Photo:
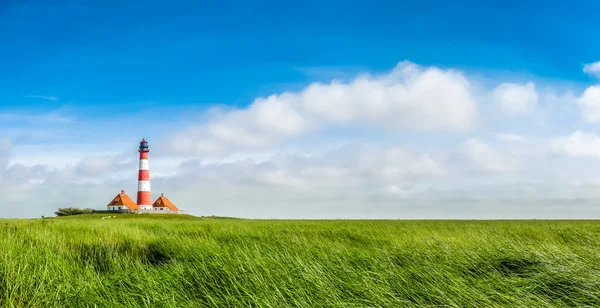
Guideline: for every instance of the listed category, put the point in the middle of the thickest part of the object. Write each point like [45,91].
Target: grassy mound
[181,261]
[130,216]
[141,216]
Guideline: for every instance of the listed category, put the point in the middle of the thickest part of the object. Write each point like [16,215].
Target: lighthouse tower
[144,198]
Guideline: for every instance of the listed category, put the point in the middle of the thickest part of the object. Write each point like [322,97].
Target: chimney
[122,192]
[162,195]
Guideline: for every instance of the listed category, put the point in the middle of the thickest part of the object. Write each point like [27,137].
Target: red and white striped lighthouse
[144,197]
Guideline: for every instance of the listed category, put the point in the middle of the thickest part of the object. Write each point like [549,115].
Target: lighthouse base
[145,207]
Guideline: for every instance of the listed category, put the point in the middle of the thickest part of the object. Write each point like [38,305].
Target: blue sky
[81,83]
[115,52]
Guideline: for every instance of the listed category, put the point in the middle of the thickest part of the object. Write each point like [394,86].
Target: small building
[164,204]
[122,202]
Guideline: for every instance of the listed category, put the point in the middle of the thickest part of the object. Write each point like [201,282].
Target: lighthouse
[144,198]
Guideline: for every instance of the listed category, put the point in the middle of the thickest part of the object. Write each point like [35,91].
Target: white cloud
[54,117]
[5,150]
[516,99]
[592,68]
[343,167]
[409,96]
[589,103]
[509,137]
[396,163]
[578,144]
[49,98]
[396,190]
[486,159]
[97,166]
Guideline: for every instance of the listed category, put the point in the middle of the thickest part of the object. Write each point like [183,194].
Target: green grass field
[182,261]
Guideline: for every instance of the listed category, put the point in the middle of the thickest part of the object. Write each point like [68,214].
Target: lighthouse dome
[144,146]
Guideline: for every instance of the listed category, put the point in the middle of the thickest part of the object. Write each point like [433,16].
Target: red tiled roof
[124,200]
[162,201]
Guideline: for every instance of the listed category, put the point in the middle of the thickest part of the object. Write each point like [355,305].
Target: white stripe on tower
[143,185]
[144,164]
[144,196]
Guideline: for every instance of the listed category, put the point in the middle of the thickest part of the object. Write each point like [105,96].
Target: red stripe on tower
[144,197]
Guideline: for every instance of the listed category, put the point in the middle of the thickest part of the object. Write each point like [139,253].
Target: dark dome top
[144,145]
